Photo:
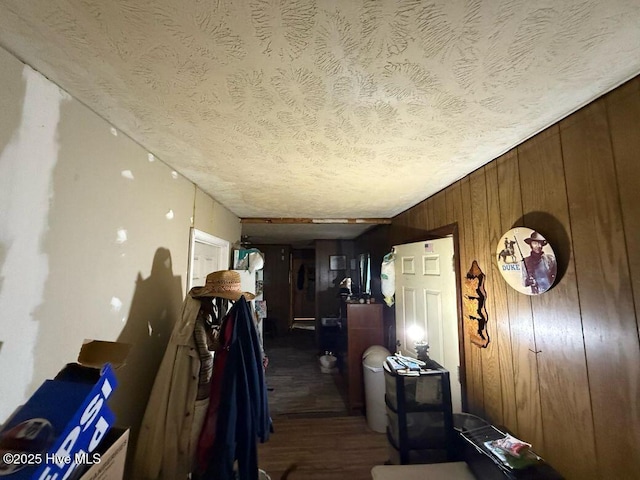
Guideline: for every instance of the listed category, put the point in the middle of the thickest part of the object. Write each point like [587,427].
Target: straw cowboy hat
[535,237]
[222,284]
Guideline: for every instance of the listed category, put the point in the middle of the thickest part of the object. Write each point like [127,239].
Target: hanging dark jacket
[243,411]
[300,281]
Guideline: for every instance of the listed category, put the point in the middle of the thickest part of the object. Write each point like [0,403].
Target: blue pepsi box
[62,423]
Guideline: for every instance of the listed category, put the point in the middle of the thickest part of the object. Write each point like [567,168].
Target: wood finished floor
[312,428]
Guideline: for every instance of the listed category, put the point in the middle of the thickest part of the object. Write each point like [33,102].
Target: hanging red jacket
[238,414]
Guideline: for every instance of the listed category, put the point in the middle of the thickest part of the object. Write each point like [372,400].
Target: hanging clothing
[164,448]
[203,336]
[238,413]
[208,432]
[301,275]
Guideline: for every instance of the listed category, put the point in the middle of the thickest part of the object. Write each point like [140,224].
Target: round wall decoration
[526,261]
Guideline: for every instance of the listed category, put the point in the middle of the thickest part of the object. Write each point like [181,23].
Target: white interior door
[426,297]
[206,254]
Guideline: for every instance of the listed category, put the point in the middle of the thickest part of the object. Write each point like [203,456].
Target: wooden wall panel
[473,367]
[439,209]
[454,215]
[423,215]
[556,313]
[623,107]
[498,288]
[327,281]
[407,231]
[574,350]
[415,217]
[418,221]
[481,248]
[605,291]
[523,345]
[399,228]
[277,291]
[377,243]
[453,203]
[427,213]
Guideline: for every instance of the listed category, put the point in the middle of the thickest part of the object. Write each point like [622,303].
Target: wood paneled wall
[277,283]
[376,242]
[328,281]
[562,370]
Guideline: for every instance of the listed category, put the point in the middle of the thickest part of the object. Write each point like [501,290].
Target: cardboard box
[111,456]
[65,420]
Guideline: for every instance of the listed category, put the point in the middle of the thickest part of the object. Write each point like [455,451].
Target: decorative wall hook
[475,311]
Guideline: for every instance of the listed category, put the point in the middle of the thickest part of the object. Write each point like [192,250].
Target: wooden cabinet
[364,329]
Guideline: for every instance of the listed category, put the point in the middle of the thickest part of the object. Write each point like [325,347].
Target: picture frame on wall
[526,261]
[337,262]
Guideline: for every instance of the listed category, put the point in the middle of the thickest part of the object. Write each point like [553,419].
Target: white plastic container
[374,387]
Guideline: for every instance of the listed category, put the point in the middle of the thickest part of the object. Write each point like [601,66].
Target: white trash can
[374,387]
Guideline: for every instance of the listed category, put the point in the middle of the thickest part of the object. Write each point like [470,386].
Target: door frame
[198,236]
[443,232]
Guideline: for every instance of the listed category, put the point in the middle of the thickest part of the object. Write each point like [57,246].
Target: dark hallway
[312,428]
[297,386]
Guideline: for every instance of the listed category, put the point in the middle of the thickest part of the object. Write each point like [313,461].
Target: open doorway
[303,288]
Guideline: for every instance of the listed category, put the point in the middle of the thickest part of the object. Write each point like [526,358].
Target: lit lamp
[417,334]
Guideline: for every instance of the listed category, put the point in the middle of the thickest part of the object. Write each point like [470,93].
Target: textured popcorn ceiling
[320,108]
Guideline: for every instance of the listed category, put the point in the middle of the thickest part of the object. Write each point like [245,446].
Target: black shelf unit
[420,417]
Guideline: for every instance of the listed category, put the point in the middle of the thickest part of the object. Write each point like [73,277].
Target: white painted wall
[94,237]
[26,170]
[215,219]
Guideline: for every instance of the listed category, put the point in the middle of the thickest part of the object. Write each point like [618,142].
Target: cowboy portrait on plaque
[526,261]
